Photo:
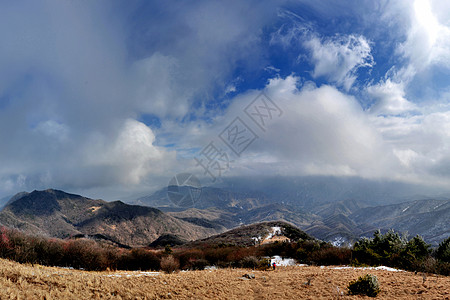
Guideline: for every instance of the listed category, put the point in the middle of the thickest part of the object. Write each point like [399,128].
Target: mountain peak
[60,214]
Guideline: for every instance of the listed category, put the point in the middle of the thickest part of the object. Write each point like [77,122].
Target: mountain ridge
[59,214]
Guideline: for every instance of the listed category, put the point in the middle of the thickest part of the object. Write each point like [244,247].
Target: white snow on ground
[339,241]
[282,261]
[257,239]
[405,209]
[388,269]
[275,230]
[134,274]
[367,268]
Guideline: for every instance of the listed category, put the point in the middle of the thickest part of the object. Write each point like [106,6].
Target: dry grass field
[36,282]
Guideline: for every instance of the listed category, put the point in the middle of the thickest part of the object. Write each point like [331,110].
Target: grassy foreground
[19,281]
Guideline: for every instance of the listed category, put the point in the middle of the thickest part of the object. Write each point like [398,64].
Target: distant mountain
[346,221]
[428,218]
[210,197]
[167,239]
[338,221]
[59,214]
[6,200]
[312,191]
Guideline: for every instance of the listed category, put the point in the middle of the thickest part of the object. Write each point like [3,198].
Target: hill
[58,214]
[254,234]
[428,218]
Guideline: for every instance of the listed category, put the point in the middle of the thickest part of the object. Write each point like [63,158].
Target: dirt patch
[94,208]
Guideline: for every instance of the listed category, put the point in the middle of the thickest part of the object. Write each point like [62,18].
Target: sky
[114,98]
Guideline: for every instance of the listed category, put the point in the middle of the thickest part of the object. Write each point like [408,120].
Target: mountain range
[154,219]
[338,221]
[58,214]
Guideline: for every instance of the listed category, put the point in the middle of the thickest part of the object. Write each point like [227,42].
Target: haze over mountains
[338,211]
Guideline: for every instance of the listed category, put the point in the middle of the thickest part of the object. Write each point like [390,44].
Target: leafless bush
[169,264]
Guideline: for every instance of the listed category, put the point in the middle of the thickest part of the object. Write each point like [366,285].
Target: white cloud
[339,58]
[131,156]
[73,75]
[321,132]
[53,130]
[155,88]
[427,36]
[326,132]
[390,98]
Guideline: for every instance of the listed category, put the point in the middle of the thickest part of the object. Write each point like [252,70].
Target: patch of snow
[275,230]
[339,241]
[341,268]
[134,274]
[279,261]
[366,268]
[388,269]
[257,240]
[405,209]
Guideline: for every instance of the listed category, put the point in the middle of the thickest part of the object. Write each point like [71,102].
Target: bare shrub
[188,259]
[250,262]
[331,256]
[169,264]
[139,259]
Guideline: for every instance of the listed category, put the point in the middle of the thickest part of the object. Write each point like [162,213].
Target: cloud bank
[111,99]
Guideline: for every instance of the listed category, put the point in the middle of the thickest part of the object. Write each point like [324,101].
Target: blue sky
[113,98]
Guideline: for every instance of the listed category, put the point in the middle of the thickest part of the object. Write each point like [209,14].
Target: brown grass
[27,282]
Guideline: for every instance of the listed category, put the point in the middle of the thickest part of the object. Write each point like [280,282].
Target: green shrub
[264,263]
[418,248]
[443,251]
[392,250]
[365,285]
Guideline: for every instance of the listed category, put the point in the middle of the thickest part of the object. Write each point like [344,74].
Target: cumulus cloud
[390,98]
[76,79]
[322,132]
[130,156]
[336,58]
[74,76]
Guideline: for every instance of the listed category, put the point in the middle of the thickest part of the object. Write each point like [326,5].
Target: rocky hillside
[254,234]
[59,214]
